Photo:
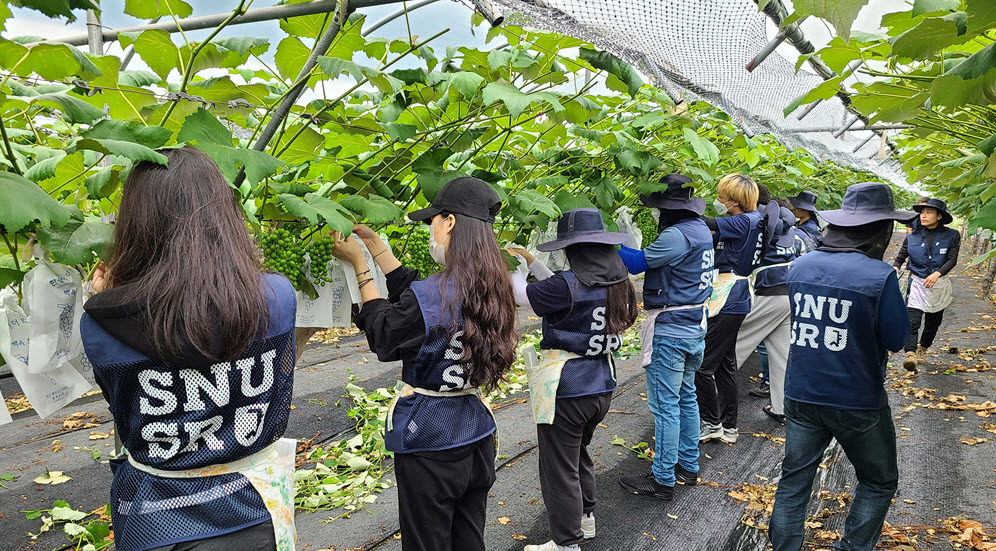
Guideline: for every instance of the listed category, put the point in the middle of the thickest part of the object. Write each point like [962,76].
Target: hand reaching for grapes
[348,249]
[365,233]
[521,252]
[99,279]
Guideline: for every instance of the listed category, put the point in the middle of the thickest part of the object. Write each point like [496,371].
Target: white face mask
[720,207]
[657,215]
[436,250]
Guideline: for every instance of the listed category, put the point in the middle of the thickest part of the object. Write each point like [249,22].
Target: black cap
[464,195]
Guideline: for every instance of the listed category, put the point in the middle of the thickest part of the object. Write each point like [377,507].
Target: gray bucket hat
[677,196]
[806,200]
[578,226]
[866,203]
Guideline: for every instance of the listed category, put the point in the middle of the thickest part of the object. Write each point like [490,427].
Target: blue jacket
[847,313]
[173,417]
[739,249]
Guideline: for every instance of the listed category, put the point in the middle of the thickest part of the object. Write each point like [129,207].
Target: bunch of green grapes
[320,252]
[282,252]
[645,221]
[417,253]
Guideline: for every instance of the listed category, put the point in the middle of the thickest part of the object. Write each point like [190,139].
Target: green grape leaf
[706,151]
[930,36]
[138,79]
[131,150]
[45,168]
[150,136]
[615,67]
[565,201]
[981,15]
[637,163]
[430,182]
[515,100]
[921,7]
[314,207]
[58,61]
[375,209]
[840,13]
[467,83]
[9,276]
[214,139]
[58,8]
[23,202]
[75,109]
[971,81]
[987,145]
[101,183]
[78,241]
[151,9]
[400,132]
[156,48]
[290,57]
[528,201]
[825,90]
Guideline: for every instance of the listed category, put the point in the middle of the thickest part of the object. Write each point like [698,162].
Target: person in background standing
[585,311]
[677,286]
[912,226]
[804,209]
[454,334]
[847,314]
[739,239]
[932,250]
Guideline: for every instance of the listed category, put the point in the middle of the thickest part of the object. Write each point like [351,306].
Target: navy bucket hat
[582,226]
[806,200]
[786,238]
[937,205]
[866,203]
[678,196]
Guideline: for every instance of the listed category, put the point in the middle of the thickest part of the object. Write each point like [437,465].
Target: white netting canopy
[698,50]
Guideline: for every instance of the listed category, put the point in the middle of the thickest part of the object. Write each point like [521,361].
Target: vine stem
[188,72]
[10,151]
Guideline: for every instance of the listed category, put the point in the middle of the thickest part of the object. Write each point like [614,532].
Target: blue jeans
[868,437]
[762,355]
[672,401]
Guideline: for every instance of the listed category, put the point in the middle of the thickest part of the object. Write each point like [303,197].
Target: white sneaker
[729,436]
[588,525]
[552,546]
[709,432]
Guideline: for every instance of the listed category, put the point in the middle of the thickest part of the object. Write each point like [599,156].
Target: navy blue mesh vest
[741,257]
[927,256]
[429,423]
[836,358]
[581,329]
[812,230]
[687,282]
[173,418]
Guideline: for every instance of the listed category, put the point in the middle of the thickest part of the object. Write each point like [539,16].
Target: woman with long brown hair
[454,333]
[193,346]
[585,310]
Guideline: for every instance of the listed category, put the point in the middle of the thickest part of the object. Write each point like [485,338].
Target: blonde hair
[739,188]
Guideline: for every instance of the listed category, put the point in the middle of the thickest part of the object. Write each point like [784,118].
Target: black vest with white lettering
[581,329]
[928,255]
[836,358]
[431,423]
[174,418]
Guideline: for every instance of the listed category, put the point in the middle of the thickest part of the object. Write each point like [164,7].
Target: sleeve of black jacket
[394,325]
[952,258]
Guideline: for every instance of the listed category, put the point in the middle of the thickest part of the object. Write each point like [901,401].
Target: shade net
[698,50]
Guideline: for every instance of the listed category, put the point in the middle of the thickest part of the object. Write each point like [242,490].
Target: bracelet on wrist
[380,253]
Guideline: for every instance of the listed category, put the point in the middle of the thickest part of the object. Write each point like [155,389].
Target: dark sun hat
[578,226]
[677,196]
[937,205]
[866,203]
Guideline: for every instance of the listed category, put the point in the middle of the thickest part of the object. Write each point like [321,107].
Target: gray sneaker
[709,432]
[588,526]
[729,436]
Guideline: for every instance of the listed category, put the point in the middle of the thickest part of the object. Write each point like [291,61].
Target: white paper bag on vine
[333,306]
[47,391]
[555,260]
[54,297]
[628,226]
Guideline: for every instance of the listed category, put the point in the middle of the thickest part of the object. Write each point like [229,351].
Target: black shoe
[771,413]
[647,485]
[686,477]
[763,390]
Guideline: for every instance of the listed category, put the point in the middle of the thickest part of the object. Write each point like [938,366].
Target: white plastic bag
[54,295]
[379,279]
[628,226]
[47,391]
[555,260]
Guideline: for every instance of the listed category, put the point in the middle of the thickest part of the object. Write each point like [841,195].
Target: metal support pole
[835,128]
[388,18]
[282,110]
[809,109]
[489,12]
[95,38]
[250,16]
[865,142]
[840,132]
[791,30]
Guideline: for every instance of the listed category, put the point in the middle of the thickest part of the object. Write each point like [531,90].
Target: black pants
[567,473]
[716,380]
[255,538]
[929,328]
[443,503]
